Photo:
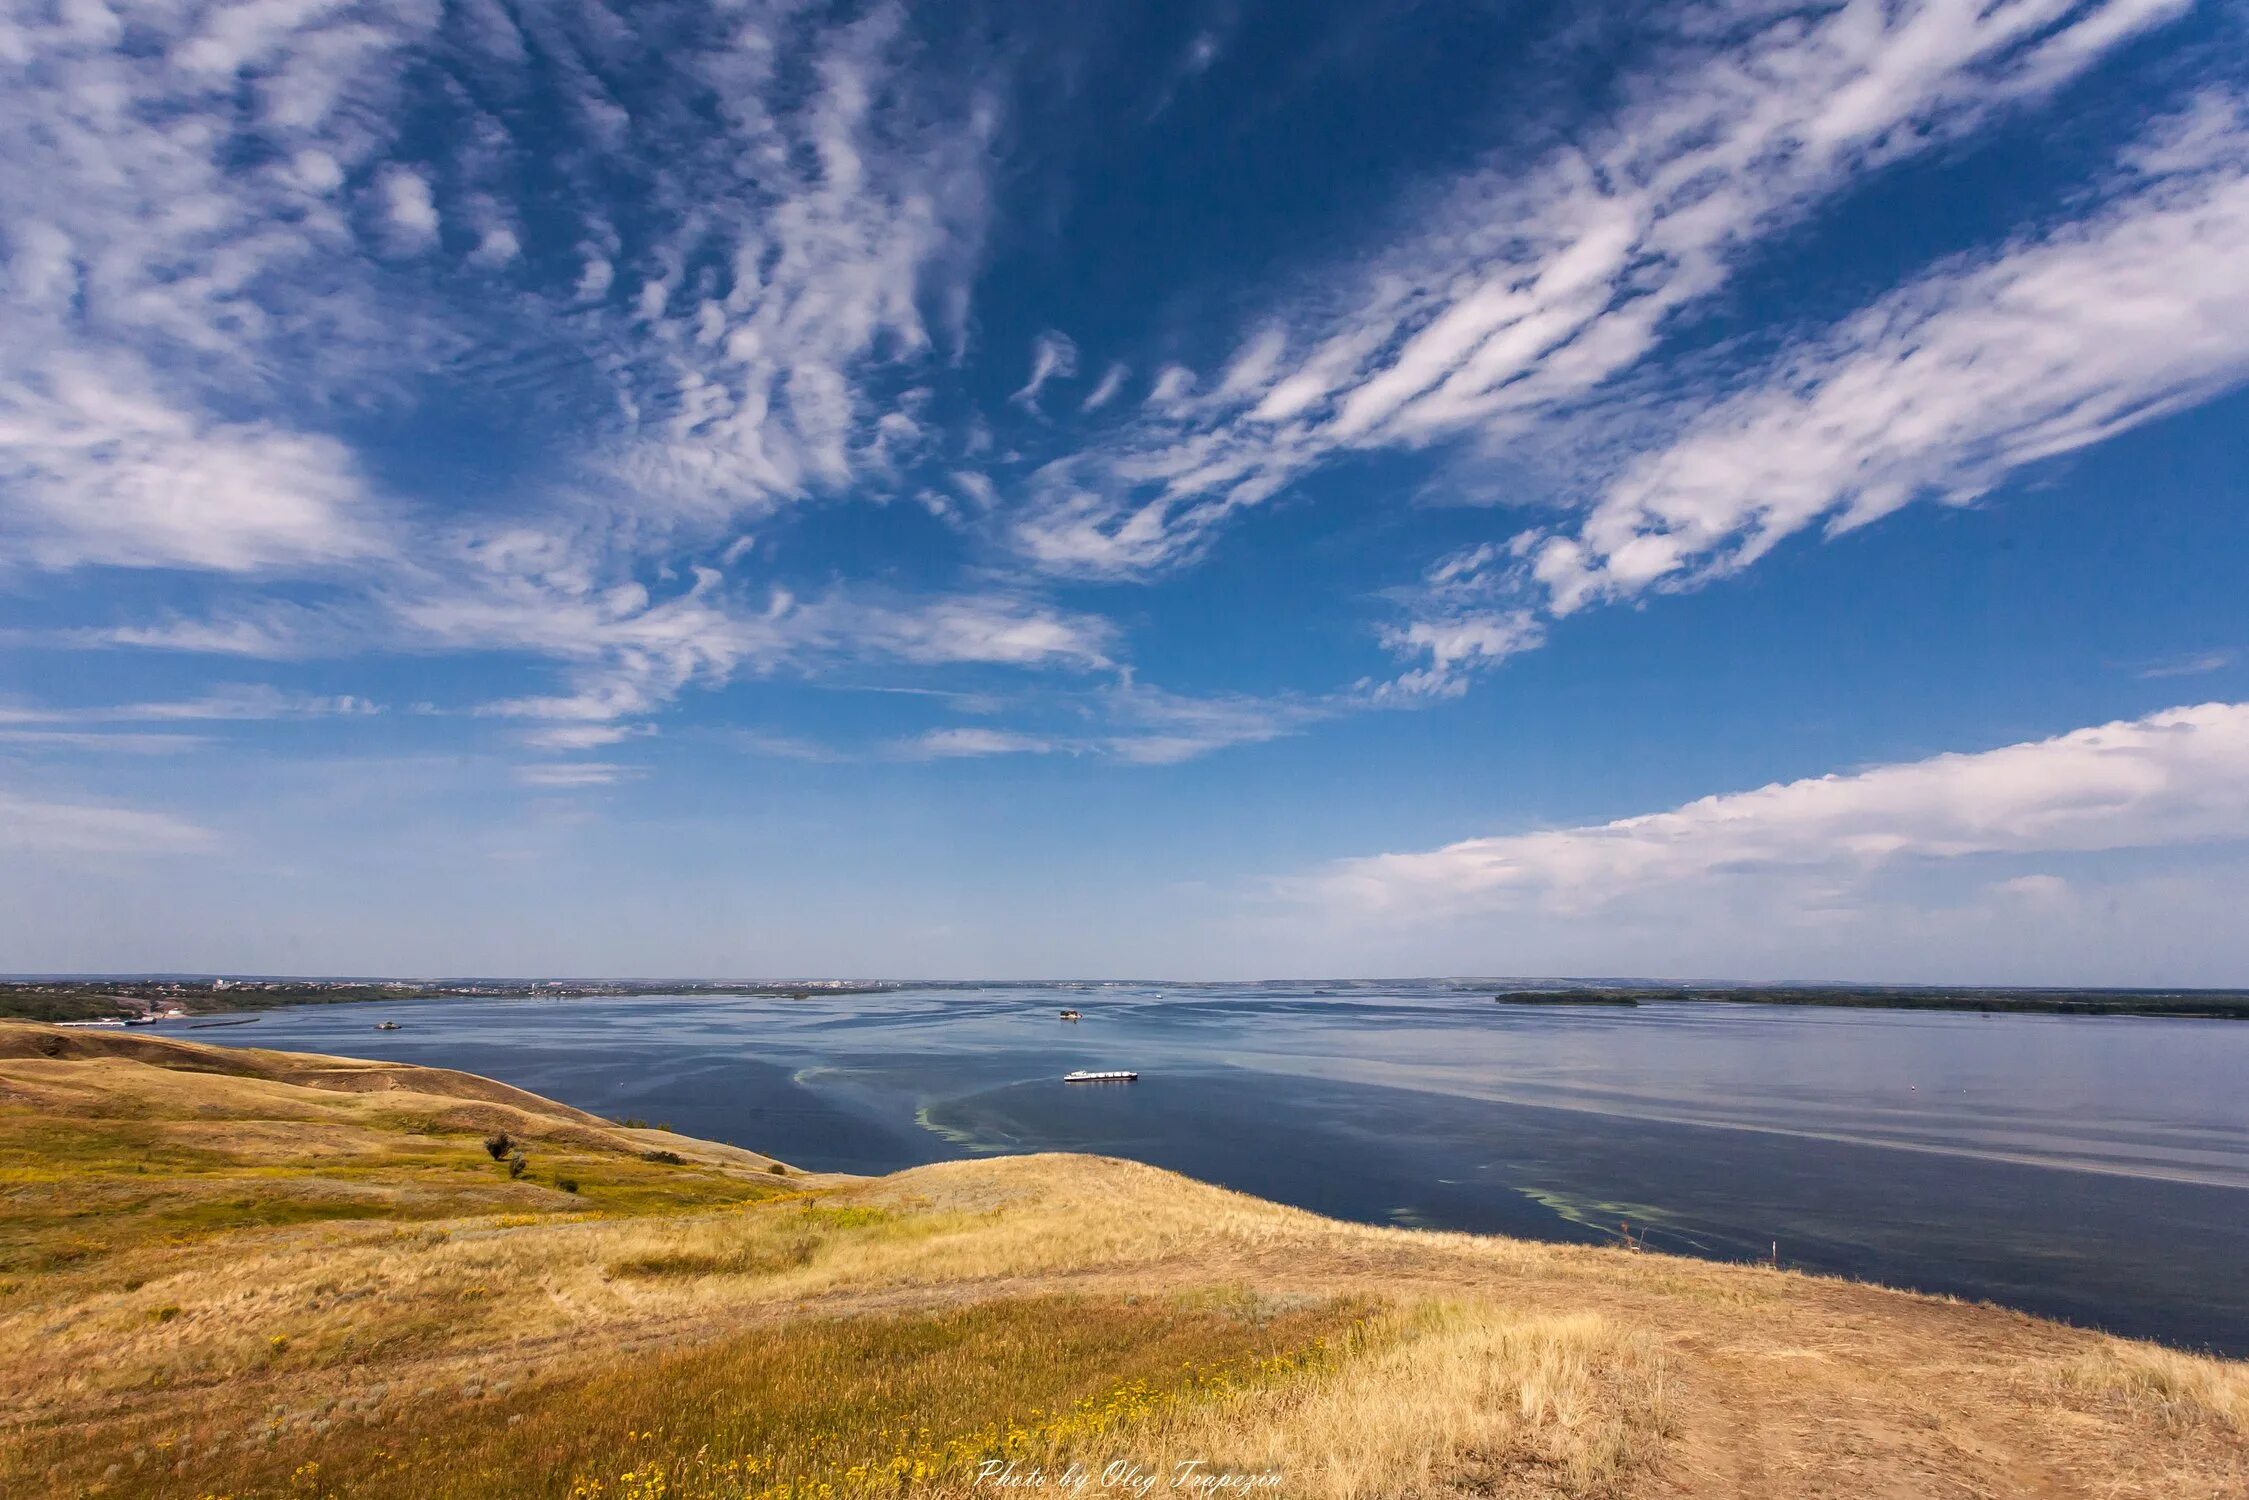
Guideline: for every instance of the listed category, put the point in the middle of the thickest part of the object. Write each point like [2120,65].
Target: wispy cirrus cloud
[114,742]
[628,650]
[584,736]
[35,826]
[1949,384]
[179,228]
[250,701]
[1535,287]
[574,775]
[1140,725]
[1939,391]
[1107,388]
[228,213]
[816,245]
[1053,357]
[101,467]
[2180,777]
[2192,665]
[1467,618]
[1153,727]
[268,630]
[228,231]
[971,743]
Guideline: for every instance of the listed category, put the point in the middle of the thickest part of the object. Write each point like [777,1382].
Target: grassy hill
[240,1273]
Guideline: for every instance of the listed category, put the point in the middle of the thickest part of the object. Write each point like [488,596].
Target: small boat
[386,1026]
[1111,1075]
[1070,1015]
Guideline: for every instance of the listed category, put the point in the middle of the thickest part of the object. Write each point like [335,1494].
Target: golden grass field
[238,1273]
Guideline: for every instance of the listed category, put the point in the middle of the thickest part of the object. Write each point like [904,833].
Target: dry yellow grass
[248,1274]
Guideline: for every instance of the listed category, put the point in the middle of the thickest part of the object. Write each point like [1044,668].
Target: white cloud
[574,774]
[1170,391]
[629,651]
[950,744]
[1466,617]
[2179,777]
[1158,728]
[254,703]
[270,630]
[1947,385]
[1139,725]
[2041,889]
[28,825]
[187,172]
[244,702]
[97,466]
[2192,665]
[114,742]
[837,214]
[496,246]
[410,207]
[174,241]
[1053,357]
[595,277]
[222,219]
[1522,292]
[975,629]
[1457,645]
[1106,388]
[583,736]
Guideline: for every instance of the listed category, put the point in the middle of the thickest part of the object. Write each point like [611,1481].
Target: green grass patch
[780,1237]
[845,1407]
[77,1191]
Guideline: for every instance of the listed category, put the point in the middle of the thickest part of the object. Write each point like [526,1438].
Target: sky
[1232,489]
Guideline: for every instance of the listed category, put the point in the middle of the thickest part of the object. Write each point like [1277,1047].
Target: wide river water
[2094,1169]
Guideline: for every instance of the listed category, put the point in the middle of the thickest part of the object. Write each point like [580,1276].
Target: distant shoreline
[67,999]
[2221,1005]
[58,1000]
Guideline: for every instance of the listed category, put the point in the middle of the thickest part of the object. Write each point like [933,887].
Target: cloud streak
[1535,288]
[1948,385]
[749,227]
[30,825]
[2180,777]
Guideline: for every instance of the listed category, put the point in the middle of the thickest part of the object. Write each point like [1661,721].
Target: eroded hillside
[236,1273]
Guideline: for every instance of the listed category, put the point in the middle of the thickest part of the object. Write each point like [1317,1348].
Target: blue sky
[1712,491]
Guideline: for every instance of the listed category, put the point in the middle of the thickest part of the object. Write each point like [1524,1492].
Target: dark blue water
[2089,1168]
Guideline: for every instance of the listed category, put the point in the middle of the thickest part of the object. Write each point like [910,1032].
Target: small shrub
[567,1184]
[499,1145]
[664,1158]
[518,1164]
[776,1169]
[165,1314]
